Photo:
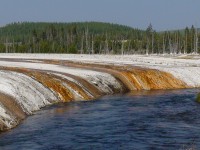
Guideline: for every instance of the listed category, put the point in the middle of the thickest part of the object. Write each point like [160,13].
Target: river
[143,120]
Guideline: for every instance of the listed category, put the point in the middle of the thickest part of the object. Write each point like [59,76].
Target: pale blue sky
[163,14]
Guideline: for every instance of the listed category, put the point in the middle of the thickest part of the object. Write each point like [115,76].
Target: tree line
[95,38]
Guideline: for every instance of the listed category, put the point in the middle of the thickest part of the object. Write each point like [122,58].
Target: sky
[162,14]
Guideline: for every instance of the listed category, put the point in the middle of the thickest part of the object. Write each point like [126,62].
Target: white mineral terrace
[31,93]
[184,67]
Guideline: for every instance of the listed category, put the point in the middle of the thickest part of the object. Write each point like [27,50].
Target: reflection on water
[139,120]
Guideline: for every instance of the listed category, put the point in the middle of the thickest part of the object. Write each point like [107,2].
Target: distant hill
[25,29]
[92,37]
[64,37]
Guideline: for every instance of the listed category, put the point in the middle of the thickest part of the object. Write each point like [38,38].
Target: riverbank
[37,80]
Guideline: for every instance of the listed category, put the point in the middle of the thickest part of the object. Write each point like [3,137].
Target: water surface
[141,120]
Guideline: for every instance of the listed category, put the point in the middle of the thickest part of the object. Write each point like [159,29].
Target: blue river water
[146,120]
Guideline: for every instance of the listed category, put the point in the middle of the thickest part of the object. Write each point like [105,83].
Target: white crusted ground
[31,95]
[98,79]
[186,68]
[6,118]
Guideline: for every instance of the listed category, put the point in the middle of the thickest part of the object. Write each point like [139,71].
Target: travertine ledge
[30,82]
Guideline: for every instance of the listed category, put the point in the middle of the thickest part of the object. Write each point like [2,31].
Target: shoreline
[36,83]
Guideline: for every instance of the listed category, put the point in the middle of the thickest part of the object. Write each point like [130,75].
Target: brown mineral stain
[13,107]
[85,84]
[130,77]
[135,78]
[56,83]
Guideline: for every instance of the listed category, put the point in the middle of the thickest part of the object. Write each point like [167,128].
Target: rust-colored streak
[135,78]
[118,74]
[131,77]
[134,83]
[11,105]
[73,86]
[47,80]
[54,84]
[155,79]
[90,88]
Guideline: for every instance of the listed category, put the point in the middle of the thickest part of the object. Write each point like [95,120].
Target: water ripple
[141,120]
